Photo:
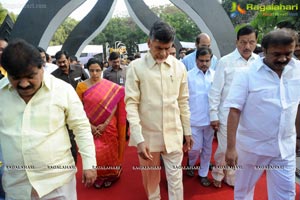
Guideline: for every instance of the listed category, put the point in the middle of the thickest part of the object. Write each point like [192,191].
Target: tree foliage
[186,29]
[4,12]
[263,21]
[124,29]
[63,31]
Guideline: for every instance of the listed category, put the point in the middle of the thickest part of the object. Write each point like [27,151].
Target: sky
[16,6]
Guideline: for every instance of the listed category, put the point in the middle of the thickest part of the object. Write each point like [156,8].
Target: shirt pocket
[293,90]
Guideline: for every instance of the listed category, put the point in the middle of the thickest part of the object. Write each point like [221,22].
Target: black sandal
[204,181]
[107,184]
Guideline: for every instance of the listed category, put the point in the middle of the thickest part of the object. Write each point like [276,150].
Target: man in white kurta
[241,57]
[199,82]
[263,103]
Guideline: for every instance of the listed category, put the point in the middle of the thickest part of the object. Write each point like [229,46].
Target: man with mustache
[199,81]
[35,108]
[156,97]
[263,102]
[241,57]
[68,72]
[202,40]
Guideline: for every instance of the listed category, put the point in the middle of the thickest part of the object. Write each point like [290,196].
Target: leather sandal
[204,181]
[190,172]
[217,184]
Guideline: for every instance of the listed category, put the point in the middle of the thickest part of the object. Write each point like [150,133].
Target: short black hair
[285,24]
[41,50]
[278,37]
[246,30]
[60,53]
[131,58]
[162,32]
[4,38]
[94,61]
[202,51]
[113,55]
[20,56]
[73,58]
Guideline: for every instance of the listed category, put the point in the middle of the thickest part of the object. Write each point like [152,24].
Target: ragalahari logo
[236,9]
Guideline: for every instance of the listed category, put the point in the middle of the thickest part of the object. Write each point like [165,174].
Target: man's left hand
[88,177]
[188,143]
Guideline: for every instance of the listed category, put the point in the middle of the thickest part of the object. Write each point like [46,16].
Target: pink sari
[99,102]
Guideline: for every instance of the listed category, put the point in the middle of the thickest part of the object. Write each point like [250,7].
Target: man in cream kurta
[35,108]
[158,111]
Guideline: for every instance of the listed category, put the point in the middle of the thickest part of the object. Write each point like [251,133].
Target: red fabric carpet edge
[130,185]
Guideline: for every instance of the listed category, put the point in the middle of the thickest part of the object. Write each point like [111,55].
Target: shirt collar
[4,82]
[151,62]
[110,68]
[46,80]
[237,55]
[259,63]
[209,71]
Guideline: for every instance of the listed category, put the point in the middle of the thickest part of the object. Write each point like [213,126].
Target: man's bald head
[279,37]
[202,40]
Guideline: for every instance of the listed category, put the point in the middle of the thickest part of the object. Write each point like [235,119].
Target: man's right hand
[215,125]
[143,151]
[231,157]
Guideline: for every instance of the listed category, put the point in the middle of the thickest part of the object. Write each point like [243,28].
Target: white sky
[16,6]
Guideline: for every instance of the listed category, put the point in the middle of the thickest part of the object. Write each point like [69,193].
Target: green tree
[186,29]
[124,29]
[121,29]
[3,13]
[263,21]
[63,31]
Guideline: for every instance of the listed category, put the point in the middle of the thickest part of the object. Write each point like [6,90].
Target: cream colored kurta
[156,97]
[35,141]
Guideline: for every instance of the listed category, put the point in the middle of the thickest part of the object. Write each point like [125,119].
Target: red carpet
[129,187]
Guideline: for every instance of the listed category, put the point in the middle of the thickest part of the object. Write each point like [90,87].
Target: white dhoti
[202,148]
[280,176]
[220,171]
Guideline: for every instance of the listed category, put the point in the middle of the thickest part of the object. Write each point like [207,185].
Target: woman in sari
[104,105]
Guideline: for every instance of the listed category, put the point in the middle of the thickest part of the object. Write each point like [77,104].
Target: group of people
[249,101]
[172,106]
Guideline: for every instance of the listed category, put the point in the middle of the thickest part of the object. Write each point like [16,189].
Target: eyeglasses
[95,70]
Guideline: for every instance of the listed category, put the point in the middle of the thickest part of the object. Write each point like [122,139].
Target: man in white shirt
[202,40]
[263,102]
[241,57]
[48,67]
[35,108]
[199,81]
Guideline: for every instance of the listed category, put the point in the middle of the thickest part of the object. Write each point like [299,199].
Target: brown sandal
[217,184]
